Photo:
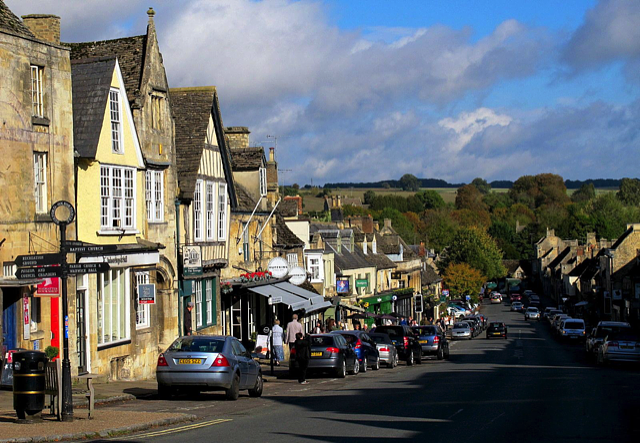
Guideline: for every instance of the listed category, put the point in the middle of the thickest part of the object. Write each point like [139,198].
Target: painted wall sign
[124,260]
[278,267]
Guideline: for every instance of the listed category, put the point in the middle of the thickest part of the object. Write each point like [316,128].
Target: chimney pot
[272,155]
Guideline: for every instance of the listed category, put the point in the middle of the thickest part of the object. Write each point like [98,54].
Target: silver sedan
[208,363]
[461,330]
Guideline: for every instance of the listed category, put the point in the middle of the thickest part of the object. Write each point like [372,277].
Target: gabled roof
[10,22]
[429,276]
[350,260]
[288,208]
[285,237]
[622,238]
[130,52]
[192,108]
[247,159]
[380,261]
[511,265]
[580,268]
[561,256]
[245,202]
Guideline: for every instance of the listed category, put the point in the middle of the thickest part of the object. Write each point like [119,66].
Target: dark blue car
[365,348]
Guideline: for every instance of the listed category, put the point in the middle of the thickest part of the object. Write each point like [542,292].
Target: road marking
[494,419]
[459,411]
[175,430]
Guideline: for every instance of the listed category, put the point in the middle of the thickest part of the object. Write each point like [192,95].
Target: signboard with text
[147,294]
[50,287]
[192,260]
[362,283]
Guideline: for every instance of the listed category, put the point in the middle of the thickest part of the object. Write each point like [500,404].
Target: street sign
[362,283]
[38,260]
[87,268]
[396,275]
[33,273]
[91,248]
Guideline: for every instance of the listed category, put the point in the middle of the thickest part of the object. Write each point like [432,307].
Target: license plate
[316,354]
[424,342]
[626,347]
[189,361]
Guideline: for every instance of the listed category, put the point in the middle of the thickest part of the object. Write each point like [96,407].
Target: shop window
[197,289]
[113,306]
[142,310]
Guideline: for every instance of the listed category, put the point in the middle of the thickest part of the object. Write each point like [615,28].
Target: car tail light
[162,361]
[406,341]
[220,362]
[358,344]
[333,350]
[436,340]
[613,343]
[384,349]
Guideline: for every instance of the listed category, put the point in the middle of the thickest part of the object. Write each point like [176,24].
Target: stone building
[36,147]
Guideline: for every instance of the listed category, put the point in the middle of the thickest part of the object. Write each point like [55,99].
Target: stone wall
[238,136]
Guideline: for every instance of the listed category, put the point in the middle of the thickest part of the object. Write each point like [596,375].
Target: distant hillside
[497,184]
[598,183]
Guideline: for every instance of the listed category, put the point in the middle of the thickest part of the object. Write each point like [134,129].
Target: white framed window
[116,126]
[292,259]
[113,306]
[142,310]
[197,212]
[222,211]
[263,182]
[37,102]
[314,268]
[209,301]
[197,287]
[210,202]
[117,198]
[40,181]
[154,196]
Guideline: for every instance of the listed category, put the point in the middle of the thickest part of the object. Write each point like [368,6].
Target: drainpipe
[176,202]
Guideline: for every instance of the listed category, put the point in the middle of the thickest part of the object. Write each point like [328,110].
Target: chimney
[238,136]
[367,224]
[591,238]
[387,223]
[45,26]
[272,155]
[272,173]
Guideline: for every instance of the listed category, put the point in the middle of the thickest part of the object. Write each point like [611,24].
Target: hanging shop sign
[191,260]
[362,283]
[396,275]
[147,294]
[278,267]
[50,287]
[297,275]
[342,286]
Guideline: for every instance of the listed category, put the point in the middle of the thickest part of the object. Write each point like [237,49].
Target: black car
[365,348]
[332,353]
[405,341]
[497,329]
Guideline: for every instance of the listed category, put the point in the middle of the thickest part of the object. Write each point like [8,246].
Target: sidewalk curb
[104,401]
[106,432]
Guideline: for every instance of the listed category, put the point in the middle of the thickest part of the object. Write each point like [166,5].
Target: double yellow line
[203,424]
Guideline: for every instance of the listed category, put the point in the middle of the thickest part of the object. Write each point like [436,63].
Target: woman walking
[278,350]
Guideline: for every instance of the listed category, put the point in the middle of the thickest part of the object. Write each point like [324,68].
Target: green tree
[542,189]
[469,218]
[400,224]
[495,200]
[586,192]
[368,197]
[476,248]
[409,182]
[481,185]
[440,228]
[629,192]
[610,217]
[468,197]
[430,199]
[461,279]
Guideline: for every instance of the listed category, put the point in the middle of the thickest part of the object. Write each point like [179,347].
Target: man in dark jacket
[187,319]
[303,355]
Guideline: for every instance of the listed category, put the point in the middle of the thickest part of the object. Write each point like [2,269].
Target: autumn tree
[468,197]
[461,279]
[476,248]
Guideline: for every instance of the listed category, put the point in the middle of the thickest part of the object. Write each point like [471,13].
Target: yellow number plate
[424,341]
[189,361]
[316,354]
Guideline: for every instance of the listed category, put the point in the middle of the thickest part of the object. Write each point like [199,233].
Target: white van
[572,328]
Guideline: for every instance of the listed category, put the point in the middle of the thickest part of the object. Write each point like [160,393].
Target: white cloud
[468,124]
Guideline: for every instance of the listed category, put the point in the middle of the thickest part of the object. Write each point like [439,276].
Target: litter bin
[28,382]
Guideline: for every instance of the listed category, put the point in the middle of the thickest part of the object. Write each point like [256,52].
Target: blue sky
[369,90]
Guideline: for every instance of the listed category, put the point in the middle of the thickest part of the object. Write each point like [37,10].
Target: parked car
[432,341]
[572,328]
[603,329]
[461,330]
[405,341]
[555,323]
[515,297]
[474,324]
[496,329]
[547,310]
[517,306]
[208,363]
[623,346]
[532,313]
[365,348]
[551,314]
[386,349]
[332,353]
[456,311]
[496,299]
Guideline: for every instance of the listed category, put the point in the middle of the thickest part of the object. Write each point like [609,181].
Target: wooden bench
[91,399]
[53,387]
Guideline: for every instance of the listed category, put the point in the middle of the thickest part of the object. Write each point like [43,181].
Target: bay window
[117,198]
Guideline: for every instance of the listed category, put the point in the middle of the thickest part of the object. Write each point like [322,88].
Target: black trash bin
[28,382]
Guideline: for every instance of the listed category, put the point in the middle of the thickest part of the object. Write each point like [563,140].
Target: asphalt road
[527,388]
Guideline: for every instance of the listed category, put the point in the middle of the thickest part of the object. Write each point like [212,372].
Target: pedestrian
[187,319]
[364,327]
[410,321]
[414,323]
[318,328]
[357,327]
[278,351]
[330,324]
[430,320]
[403,321]
[293,327]
[303,355]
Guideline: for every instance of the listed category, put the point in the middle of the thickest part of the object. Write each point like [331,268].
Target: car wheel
[410,359]
[257,389]
[440,354]
[234,391]
[164,392]
[365,364]
[419,358]
[342,370]
[356,367]
[377,365]
[446,355]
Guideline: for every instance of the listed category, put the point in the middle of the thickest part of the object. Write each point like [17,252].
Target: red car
[516,297]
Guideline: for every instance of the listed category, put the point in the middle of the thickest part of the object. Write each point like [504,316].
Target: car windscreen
[573,325]
[321,341]
[390,331]
[461,326]
[612,330]
[197,344]
[425,330]
[496,325]
[379,338]
[350,338]
[532,309]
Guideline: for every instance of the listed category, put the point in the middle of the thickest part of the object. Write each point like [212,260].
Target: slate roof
[288,208]
[389,244]
[511,265]
[350,260]
[130,52]
[285,237]
[579,269]
[380,261]
[191,108]
[622,238]
[556,261]
[10,22]
[91,81]
[247,159]
[245,202]
[430,276]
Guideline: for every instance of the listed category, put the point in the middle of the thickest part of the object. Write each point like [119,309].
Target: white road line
[494,419]
[459,411]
